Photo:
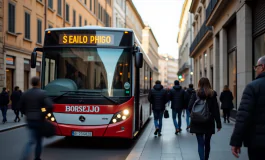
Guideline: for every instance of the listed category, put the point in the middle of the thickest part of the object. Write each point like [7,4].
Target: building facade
[184,41]
[228,42]
[133,20]
[119,8]
[150,47]
[168,68]
[24,23]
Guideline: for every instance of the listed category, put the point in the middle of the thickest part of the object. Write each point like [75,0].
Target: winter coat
[158,97]
[208,127]
[177,97]
[31,103]
[4,99]
[226,99]
[189,93]
[250,119]
[15,97]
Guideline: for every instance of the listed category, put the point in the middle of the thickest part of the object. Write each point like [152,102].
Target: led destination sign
[86,39]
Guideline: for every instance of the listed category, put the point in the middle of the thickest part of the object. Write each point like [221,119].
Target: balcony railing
[210,8]
[183,67]
[204,29]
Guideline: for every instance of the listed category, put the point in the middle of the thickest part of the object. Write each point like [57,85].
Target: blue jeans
[204,147]
[4,110]
[176,112]
[158,117]
[187,117]
[34,137]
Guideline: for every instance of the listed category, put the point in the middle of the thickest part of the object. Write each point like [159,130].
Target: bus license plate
[83,134]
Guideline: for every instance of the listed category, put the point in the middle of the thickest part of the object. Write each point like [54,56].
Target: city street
[145,147]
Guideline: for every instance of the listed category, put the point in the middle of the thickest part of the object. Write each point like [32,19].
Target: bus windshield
[89,70]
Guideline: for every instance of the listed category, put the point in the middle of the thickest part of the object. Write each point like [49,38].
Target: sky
[163,17]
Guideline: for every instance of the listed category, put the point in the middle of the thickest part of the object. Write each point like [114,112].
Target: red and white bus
[98,79]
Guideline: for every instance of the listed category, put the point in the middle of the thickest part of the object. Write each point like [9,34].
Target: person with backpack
[177,97]
[4,100]
[204,110]
[158,98]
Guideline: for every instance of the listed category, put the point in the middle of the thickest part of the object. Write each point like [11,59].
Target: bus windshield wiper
[84,93]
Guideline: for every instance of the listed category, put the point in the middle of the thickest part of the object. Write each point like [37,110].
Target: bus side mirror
[33,60]
[139,60]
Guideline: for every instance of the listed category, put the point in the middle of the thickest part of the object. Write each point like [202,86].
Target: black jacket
[177,97]
[15,97]
[31,103]
[227,100]
[208,127]
[189,93]
[158,97]
[4,99]
[250,119]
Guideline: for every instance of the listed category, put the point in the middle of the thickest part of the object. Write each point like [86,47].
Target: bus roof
[90,28]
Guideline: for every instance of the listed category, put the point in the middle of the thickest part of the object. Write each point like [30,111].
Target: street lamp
[191,73]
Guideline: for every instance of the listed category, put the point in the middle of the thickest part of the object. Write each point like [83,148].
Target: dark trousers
[204,145]
[158,117]
[226,113]
[255,153]
[16,111]
[4,110]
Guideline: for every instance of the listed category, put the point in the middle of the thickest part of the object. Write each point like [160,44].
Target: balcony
[204,33]
[215,9]
[184,67]
[210,8]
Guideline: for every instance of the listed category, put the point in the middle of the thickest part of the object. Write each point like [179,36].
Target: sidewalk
[183,146]
[10,124]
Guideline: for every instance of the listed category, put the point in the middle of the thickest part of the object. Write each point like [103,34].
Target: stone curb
[12,127]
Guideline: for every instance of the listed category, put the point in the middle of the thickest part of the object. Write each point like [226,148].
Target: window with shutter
[39,31]
[27,25]
[11,17]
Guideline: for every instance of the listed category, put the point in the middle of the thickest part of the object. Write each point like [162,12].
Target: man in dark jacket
[250,123]
[158,98]
[177,98]
[15,97]
[31,104]
[4,100]
[189,93]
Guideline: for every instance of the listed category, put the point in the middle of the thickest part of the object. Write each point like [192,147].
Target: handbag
[166,114]
[48,129]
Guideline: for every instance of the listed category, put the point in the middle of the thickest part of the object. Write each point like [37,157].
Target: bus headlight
[120,116]
[50,117]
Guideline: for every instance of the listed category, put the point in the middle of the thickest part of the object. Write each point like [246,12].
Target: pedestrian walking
[250,119]
[4,100]
[204,125]
[226,99]
[15,97]
[189,92]
[158,98]
[31,104]
[177,97]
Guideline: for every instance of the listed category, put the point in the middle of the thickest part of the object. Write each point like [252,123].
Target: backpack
[200,111]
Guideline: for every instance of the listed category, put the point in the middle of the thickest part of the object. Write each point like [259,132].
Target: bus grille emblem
[82,118]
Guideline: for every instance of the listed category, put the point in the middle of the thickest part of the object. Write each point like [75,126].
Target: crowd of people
[203,113]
